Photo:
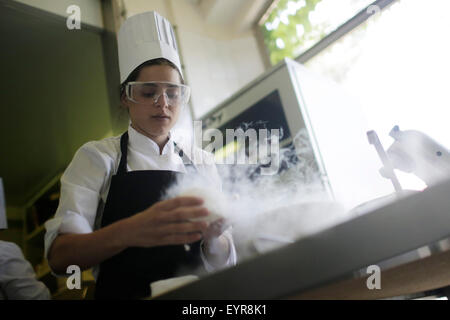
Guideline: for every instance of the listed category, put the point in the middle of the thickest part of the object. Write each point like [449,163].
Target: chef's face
[155,119]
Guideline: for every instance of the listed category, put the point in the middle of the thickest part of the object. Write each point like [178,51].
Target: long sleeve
[86,181]
[232,258]
[81,186]
[17,277]
[210,172]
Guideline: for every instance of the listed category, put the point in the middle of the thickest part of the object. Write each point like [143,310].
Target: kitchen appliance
[293,99]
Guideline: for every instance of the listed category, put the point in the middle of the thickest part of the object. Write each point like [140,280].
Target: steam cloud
[268,211]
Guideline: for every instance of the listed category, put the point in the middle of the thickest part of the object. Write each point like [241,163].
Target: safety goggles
[149,93]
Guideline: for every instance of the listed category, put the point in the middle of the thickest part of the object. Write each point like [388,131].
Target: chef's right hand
[167,223]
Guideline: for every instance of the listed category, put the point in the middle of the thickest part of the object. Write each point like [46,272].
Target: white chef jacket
[86,181]
[17,277]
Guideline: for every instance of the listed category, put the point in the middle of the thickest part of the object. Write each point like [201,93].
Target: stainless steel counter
[333,255]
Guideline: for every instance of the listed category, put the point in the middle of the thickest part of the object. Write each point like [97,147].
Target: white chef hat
[3,221]
[144,37]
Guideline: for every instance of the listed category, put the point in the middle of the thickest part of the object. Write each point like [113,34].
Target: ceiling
[240,15]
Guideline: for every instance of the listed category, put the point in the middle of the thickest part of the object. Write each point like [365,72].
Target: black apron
[128,274]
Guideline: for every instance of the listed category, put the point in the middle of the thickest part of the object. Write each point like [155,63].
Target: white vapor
[268,211]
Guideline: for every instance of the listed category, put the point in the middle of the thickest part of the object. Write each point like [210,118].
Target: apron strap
[124,150]
[186,161]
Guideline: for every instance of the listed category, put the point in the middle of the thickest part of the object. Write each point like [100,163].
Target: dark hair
[154,62]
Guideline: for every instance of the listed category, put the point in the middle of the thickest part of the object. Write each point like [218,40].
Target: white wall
[91,11]
[216,68]
[137,6]
[218,59]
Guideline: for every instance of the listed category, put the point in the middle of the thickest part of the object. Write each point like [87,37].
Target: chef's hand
[214,230]
[167,223]
[216,246]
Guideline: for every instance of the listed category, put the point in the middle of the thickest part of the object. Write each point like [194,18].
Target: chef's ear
[124,102]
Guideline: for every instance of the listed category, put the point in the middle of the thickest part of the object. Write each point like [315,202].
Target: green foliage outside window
[288,30]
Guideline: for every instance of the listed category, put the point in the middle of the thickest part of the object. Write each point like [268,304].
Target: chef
[111,216]
[17,278]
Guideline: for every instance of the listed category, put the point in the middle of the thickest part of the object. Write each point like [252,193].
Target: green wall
[55,95]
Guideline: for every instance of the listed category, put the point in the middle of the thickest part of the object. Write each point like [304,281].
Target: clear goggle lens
[149,93]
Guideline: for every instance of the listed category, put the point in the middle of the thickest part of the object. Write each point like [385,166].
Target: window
[294,26]
[395,63]
[397,66]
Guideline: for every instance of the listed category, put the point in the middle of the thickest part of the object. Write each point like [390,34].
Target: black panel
[267,113]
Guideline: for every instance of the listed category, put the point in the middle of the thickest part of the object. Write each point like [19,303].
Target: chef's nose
[162,101]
